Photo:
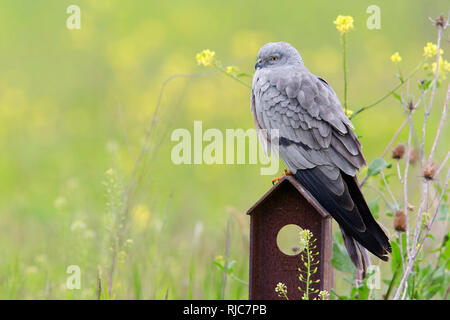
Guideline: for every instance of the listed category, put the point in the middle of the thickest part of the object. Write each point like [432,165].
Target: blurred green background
[75,103]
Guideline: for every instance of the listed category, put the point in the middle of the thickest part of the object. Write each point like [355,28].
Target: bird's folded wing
[312,126]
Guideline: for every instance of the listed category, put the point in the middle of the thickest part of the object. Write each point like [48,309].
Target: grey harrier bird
[317,144]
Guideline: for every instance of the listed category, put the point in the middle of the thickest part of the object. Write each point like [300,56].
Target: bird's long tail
[359,229]
[357,253]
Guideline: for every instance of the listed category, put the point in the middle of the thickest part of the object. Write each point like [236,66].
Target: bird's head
[276,54]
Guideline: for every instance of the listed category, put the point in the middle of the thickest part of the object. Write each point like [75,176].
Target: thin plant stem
[399,172]
[420,214]
[442,164]
[221,69]
[308,270]
[405,180]
[391,283]
[441,125]
[389,190]
[387,147]
[381,99]
[344,61]
[433,91]
[394,138]
[400,239]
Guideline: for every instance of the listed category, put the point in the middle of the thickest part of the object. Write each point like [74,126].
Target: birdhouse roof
[302,191]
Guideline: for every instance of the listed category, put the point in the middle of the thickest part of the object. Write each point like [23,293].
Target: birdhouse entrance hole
[288,240]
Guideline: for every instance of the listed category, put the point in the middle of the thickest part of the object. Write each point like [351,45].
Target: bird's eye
[274,58]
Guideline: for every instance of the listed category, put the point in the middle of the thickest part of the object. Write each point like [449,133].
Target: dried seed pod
[440,21]
[400,221]
[430,171]
[412,156]
[399,151]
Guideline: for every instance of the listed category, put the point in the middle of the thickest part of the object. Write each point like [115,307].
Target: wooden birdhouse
[286,204]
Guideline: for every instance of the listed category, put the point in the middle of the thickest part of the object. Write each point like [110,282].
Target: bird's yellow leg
[286,173]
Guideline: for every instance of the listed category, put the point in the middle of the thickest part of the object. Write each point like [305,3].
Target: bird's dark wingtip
[389,249]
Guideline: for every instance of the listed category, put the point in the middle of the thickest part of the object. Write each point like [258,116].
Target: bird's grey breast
[273,90]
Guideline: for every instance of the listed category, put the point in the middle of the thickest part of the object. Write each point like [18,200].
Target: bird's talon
[275,180]
[286,173]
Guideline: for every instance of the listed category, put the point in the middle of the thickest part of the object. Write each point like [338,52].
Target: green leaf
[442,213]
[397,96]
[374,207]
[341,260]
[387,176]
[376,166]
[363,291]
[431,291]
[137,281]
[230,266]
[430,236]
[446,253]
[221,266]
[426,84]
[396,261]
[240,75]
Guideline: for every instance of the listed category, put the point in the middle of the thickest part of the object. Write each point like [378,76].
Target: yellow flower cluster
[343,23]
[444,67]
[206,57]
[430,50]
[396,57]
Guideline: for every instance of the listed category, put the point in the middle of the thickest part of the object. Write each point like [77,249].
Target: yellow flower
[444,67]
[343,23]
[324,295]
[141,217]
[220,260]
[396,57]
[232,70]
[348,112]
[430,50]
[305,236]
[205,57]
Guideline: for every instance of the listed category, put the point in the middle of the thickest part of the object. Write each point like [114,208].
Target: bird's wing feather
[306,110]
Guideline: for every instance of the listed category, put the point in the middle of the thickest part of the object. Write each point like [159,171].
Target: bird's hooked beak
[258,64]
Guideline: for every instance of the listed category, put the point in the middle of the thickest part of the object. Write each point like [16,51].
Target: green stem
[233,277]
[400,73]
[398,86]
[221,69]
[344,54]
[391,284]
[309,271]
